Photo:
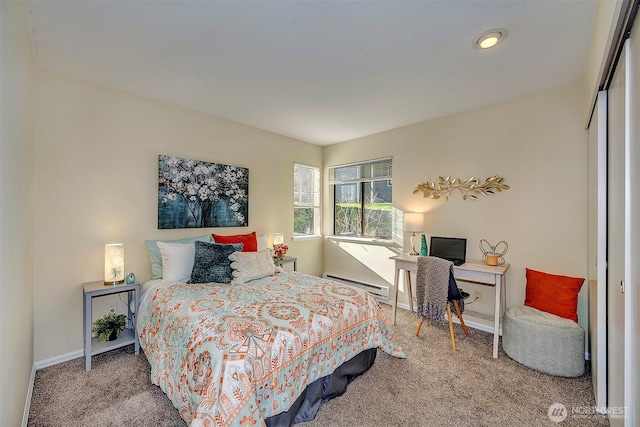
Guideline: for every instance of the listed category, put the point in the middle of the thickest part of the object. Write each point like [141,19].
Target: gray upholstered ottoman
[543,341]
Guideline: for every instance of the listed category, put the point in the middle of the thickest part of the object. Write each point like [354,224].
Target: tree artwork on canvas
[198,194]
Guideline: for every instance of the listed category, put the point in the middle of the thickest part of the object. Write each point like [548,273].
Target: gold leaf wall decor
[470,189]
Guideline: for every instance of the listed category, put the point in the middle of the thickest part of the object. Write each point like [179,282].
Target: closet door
[616,240]
[632,243]
[597,249]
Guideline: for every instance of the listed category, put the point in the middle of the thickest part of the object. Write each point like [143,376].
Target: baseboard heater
[380,292]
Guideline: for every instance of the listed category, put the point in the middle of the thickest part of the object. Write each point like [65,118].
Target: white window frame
[360,178]
[300,204]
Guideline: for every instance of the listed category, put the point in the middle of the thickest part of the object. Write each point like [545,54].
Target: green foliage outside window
[377,220]
[303,221]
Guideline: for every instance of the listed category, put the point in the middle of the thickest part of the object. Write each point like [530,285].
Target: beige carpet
[433,387]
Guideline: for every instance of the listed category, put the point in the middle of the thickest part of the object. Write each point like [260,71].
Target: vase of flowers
[280,250]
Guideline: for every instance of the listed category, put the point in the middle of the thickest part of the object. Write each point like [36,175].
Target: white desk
[471,271]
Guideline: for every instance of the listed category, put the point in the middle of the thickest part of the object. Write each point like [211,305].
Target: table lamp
[413,223]
[113,264]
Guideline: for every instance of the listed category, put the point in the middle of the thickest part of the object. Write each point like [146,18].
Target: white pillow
[262,241]
[177,260]
[252,265]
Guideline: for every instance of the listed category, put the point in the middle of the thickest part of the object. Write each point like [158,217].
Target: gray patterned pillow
[212,263]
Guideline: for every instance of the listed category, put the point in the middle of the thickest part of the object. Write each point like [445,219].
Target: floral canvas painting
[197,194]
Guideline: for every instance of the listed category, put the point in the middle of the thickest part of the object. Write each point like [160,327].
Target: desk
[471,271]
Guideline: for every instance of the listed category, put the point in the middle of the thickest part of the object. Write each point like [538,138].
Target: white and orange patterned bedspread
[237,354]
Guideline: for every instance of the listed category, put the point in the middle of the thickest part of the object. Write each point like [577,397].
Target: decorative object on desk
[109,327]
[413,223]
[113,263]
[491,255]
[198,194]
[424,249]
[470,189]
[131,278]
[280,250]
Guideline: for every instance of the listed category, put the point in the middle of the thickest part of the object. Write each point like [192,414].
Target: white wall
[16,207]
[538,144]
[604,25]
[96,167]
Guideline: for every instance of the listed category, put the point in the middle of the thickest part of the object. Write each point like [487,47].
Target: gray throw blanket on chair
[432,285]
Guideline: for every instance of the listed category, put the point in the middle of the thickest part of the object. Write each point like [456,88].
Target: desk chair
[432,271]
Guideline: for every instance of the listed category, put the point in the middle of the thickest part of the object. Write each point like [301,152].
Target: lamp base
[117,282]
[413,245]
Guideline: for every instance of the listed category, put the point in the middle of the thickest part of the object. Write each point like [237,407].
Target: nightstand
[279,262]
[129,336]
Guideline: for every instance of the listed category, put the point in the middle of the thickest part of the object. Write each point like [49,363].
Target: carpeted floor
[434,386]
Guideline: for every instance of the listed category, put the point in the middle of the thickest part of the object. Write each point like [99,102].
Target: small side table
[129,336]
[279,262]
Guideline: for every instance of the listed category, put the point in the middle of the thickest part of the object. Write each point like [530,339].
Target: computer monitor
[450,248]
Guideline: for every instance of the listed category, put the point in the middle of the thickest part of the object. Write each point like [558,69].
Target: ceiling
[318,71]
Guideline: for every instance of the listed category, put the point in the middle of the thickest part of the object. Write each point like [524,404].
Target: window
[306,200]
[362,199]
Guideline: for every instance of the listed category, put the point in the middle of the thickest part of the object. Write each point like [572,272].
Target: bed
[264,352]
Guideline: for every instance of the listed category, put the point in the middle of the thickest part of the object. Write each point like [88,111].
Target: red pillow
[250,240]
[554,294]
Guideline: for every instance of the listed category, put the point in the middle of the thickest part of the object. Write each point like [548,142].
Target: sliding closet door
[597,248]
[616,240]
[632,277]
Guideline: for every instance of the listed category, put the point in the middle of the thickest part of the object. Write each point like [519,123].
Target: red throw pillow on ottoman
[554,294]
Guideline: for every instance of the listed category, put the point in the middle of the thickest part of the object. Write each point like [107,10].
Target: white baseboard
[27,403]
[59,359]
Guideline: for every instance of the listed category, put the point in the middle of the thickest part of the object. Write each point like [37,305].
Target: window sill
[364,240]
[302,238]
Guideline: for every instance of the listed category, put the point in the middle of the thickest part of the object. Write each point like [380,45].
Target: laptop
[450,248]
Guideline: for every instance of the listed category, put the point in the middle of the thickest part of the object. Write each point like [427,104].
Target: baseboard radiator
[380,292]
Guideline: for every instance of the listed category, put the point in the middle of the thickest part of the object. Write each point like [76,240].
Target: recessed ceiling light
[490,38]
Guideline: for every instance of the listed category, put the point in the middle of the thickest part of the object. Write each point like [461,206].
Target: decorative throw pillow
[262,242]
[177,260]
[252,265]
[249,241]
[554,294]
[212,263]
[154,252]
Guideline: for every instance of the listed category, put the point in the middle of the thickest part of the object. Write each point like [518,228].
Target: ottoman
[543,341]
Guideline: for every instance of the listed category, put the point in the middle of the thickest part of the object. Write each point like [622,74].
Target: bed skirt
[306,406]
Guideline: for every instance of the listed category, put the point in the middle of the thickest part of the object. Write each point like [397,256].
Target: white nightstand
[129,336]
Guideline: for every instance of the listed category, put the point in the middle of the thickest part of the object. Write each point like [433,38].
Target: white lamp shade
[413,222]
[113,263]
[278,238]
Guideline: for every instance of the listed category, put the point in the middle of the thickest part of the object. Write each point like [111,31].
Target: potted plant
[110,326]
